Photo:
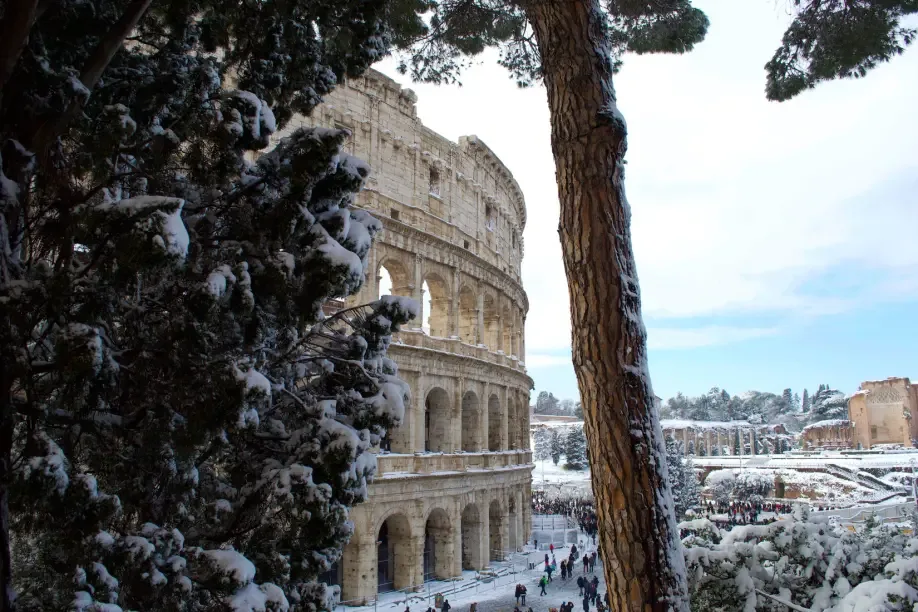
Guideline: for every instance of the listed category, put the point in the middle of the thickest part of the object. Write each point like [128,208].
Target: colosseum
[453,484]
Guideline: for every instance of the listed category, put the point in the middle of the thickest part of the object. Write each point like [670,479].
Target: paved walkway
[499,598]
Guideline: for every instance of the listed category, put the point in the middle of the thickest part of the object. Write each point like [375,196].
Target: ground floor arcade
[450,524]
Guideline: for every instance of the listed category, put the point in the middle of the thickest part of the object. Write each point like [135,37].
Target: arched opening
[436,421]
[471,538]
[438,538]
[513,425]
[497,527]
[494,422]
[513,536]
[491,322]
[468,316]
[436,306]
[393,554]
[392,279]
[471,422]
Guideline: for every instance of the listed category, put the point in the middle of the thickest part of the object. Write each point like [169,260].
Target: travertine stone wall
[884,412]
[456,477]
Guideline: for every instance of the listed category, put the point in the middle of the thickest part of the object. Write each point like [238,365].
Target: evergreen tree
[575,449]
[556,446]
[184,426]
[828,404]
[683,483]
[578,410]
[691,491]
[542,447]
[805,403]
[675,472]
[787,401]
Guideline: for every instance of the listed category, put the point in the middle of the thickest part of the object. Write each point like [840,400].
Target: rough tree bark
[644,567]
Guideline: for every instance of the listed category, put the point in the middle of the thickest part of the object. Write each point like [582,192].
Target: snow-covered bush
[752,485]
[813,565]
[720,484]
[186,424]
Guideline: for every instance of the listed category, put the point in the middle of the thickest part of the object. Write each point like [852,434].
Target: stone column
[456,424]
[480,321]
[419,406]
[359,570]
[371,287]
[418,292]
[685,442]
[742,441]
[522,354]
[457,542]
[454,306]
[707,442]
[484,538]
[527,512]
[414,575]
[485,417]
[752,442]
[504,529]
[500,329]
[505,442]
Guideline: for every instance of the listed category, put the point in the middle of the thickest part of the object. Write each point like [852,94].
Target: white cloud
[740,206]
[710,335]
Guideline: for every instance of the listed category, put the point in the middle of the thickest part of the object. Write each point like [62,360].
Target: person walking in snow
[551,548]
[542,583]
[517,593]
[586,604]
[523,594]
[593,561]
[586,563]
[446,605]
[580,584]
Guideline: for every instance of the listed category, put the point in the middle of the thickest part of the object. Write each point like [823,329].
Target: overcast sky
[776,244]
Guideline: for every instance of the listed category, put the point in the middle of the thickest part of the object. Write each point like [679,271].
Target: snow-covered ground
[549,476]
[495,594]
[813,486]
[900,459]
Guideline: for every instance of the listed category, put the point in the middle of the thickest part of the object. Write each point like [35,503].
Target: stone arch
[438,545]
[497,528]
[436,420]
[491,322]
[398,274]
[393,553]
[471,422]
[471,537]
[494,423]
[436,316]
[468,316]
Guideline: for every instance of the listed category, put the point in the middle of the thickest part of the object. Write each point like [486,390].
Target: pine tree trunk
[644,567]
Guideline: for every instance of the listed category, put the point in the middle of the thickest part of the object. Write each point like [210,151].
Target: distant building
[884,412]
[832,434]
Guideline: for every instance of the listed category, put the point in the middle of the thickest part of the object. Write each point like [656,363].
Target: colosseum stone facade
[453,485]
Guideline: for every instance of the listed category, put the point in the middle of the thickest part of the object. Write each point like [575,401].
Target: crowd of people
[545,503]
[745,513]
[579,509]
